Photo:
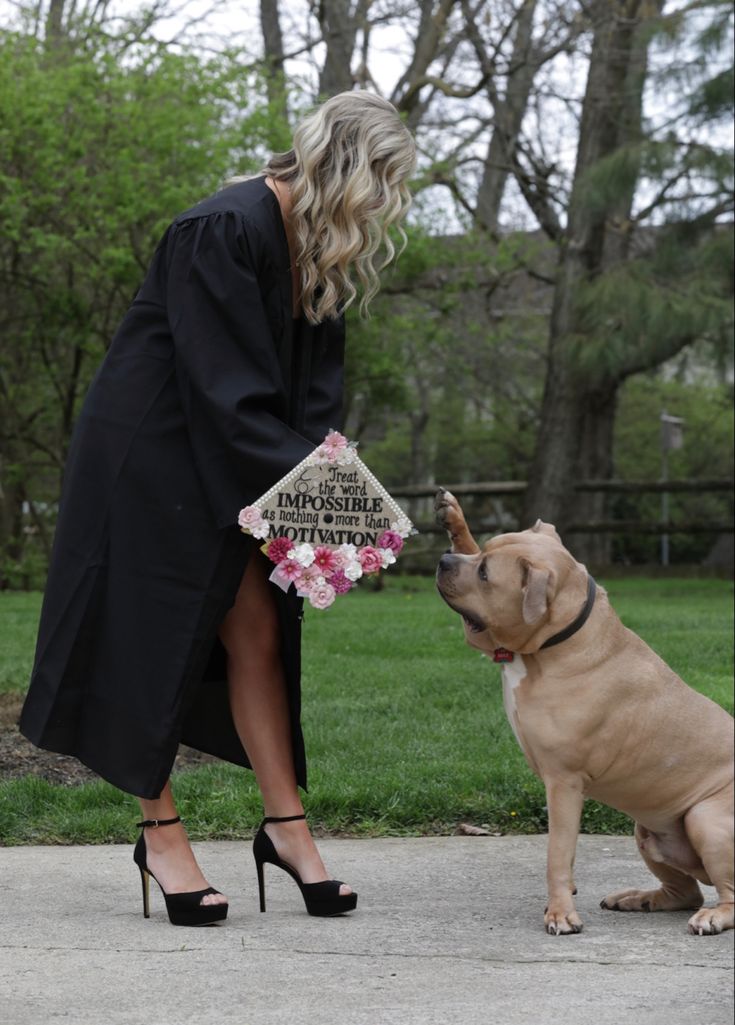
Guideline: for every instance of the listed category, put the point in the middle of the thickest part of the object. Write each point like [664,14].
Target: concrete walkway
[448,930]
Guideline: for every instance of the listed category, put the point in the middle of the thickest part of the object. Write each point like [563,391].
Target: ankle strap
[157,822]
[284,818]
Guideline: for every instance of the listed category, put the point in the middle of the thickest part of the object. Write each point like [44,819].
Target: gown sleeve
[325,396]
[226,362]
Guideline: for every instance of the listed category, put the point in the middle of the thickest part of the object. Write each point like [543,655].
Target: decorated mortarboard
[327,523]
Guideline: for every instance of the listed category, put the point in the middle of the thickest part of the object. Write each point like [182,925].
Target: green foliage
[659,265]
[643,311]
[19,616]
[602,186]
[707,453]
[714,98]
[444,380]
[97,155]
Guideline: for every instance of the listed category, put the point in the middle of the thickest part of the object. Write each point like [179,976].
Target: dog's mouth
[473,624]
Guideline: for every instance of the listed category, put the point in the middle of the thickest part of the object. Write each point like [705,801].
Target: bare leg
[169,856]
[260,712]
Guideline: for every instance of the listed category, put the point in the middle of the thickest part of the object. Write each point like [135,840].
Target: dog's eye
[482,572]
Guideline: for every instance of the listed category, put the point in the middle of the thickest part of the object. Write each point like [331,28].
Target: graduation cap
[328,522]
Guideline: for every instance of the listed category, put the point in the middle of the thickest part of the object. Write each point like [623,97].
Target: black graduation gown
[204,400]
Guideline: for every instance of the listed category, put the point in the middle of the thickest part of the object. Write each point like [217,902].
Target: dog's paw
[450,516]
[630,900]
[562,921]
[710,921]
[649,900]
[449,513]
[446,508]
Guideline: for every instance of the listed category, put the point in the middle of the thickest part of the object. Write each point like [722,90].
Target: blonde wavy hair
[347,173]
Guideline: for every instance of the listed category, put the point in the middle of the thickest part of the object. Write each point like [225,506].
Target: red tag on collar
[503,655]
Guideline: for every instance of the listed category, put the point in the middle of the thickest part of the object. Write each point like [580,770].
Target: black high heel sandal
[321,899]
[183,908]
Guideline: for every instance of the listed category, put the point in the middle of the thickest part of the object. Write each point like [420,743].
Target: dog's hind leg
[679,891]
[450,516]
[709,826]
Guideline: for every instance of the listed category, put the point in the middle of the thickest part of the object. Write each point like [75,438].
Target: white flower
[303,554]
[260,530]
[349,552]
[353,570]
[402,526]
[346,456]
[387,556]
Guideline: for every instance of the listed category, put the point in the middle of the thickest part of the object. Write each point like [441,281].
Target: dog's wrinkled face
[504,593]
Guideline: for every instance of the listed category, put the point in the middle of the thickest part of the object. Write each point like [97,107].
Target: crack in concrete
[476,959]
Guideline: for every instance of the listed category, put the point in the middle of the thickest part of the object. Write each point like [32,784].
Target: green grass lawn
[404,723]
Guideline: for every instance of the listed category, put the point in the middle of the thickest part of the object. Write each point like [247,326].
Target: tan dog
[598,714]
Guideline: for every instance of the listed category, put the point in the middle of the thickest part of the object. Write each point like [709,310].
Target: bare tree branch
[432,25]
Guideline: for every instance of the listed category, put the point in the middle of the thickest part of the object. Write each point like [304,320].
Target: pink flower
[290,569]
[370,559]
[249,517]
[322,595]
[310,575]
[325,560]
[390,539]
[334,444]
[340,583]
[340,560]
[279,548]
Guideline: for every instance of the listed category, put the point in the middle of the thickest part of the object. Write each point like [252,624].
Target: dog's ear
[540,527]
[538,584]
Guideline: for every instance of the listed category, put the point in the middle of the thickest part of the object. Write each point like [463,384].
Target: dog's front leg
[450,516]
[565,812]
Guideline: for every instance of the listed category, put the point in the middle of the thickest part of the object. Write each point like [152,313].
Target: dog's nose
[446,562]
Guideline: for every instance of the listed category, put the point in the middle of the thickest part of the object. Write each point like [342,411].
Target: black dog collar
[503,655]
[579,622]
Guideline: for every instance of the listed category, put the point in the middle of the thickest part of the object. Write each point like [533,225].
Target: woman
[159,624]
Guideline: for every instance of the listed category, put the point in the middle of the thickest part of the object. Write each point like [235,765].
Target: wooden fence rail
[517,487]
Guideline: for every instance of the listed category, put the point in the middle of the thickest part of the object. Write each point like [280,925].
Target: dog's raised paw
[447,509]
[441,498]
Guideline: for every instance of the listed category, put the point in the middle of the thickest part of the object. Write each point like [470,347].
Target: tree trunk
[420,460]
[11,530]
[432,25]
[274,56]
[55,24]
[508,118]
[339,29]
[595,462]
[567,396]
[597,436]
